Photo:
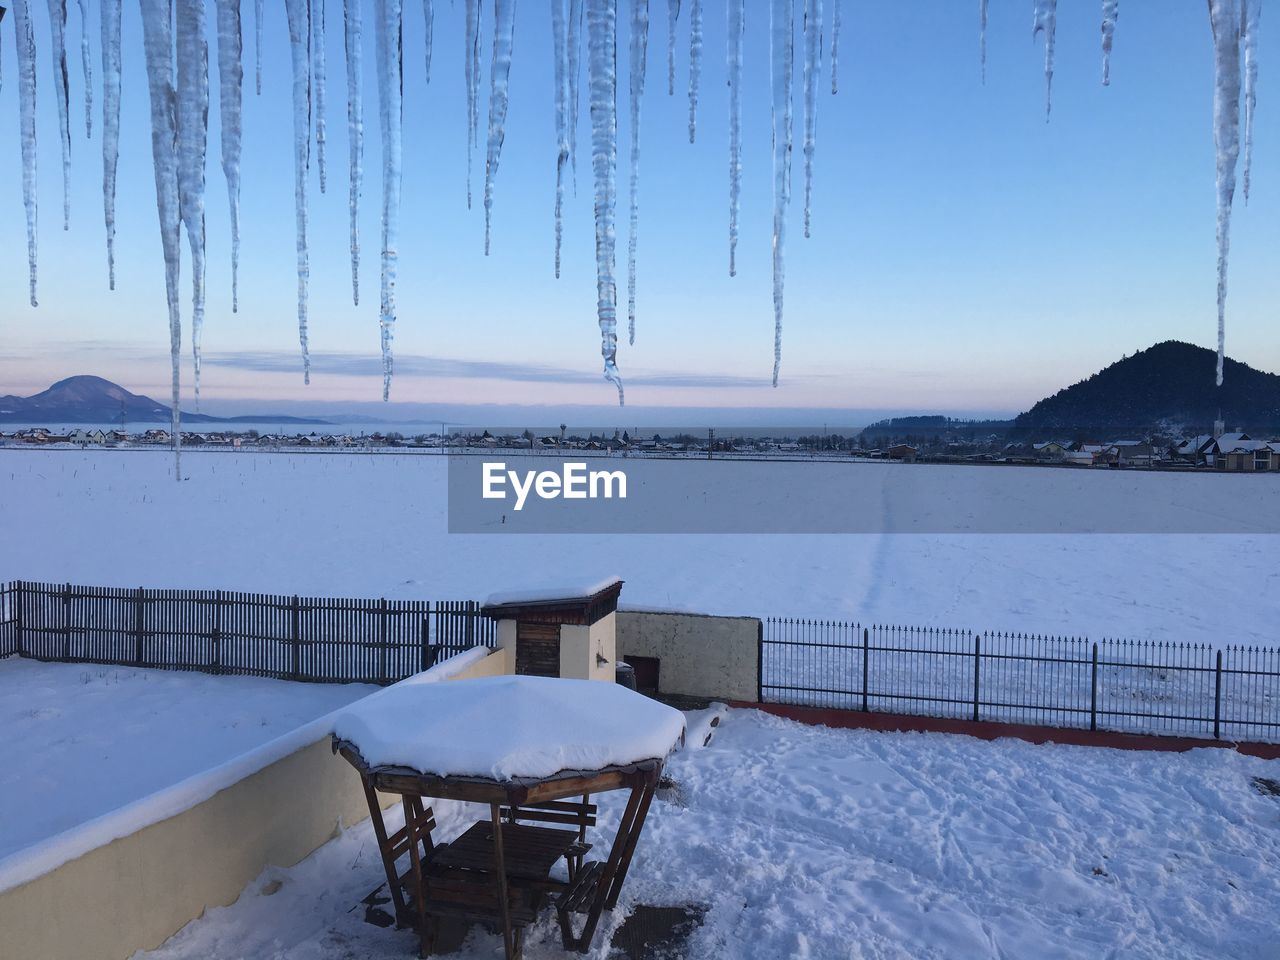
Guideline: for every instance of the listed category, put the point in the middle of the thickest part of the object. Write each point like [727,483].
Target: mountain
[1170,385]
[87,399]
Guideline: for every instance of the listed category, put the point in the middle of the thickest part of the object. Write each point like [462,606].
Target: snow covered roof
[550,592]
[1242,446]
[508,728]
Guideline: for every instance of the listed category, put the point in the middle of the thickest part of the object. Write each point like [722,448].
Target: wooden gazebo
[534,750]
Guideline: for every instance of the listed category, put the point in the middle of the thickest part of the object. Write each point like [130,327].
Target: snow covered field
[809,842]
[81,740]
[375,525]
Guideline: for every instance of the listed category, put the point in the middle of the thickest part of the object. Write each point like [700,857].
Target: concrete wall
[699,656]
[137,891]
[580,645]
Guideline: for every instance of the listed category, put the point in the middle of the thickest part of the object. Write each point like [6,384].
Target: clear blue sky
[966,256]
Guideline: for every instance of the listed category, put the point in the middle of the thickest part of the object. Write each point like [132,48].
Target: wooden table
[499,872]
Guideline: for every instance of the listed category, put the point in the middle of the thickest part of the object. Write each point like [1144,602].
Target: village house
[1247,456]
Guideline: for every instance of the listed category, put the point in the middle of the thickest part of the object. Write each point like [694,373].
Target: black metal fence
[316,639]
[1175,689]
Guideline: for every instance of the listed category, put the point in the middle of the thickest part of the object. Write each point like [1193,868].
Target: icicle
[1249,35]
[25,41]
[471,66]
[737,17]
[298,12]
[673,16]
[812,66]
[835,47]
[390,63]
[1224,17]
[257,44]
[1110,11]
[62,93]
[602,24]
[230,99]
[782,62]
[695,64]
[353,38]
[429,19]
[86,64]
[157,40]
[576,15]
[319,81]
[504,23]
[110,125]
[639,54]
[560,51]
[982,36]
[1046,21]
[193,136]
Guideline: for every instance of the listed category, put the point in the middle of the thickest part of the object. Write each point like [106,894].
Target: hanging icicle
[230,100]
[25,42]
[110,11]
[62,93]
[471,66]
[673,15]
[1046,21]
[812,67]
[86,67]
[504,22]
[695,64]
[835,47]
[429,22]
[560,53]
[319,83]
[1252,12]
[390,64]
[1110,11]
[299,15]
[193,134]
[157,41]
[782,64]
[257,44]
[602,23]
[576,16]
[353,40]
[737,19]
[982,37]
[639,54]
[1224,18]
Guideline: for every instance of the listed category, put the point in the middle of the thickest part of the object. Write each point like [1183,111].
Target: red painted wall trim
[986,730]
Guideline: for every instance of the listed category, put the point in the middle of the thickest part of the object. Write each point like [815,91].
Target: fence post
[425,651]
[66,622]
[866,668]
[21,594]
[382,639]
[217,632]
[1217,698]
[295,610]
[759,661]
[1093,692]
[977,671]
[138,614]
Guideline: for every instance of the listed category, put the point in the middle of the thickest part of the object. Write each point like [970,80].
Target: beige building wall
[589,653]
[699,656]
[137,891]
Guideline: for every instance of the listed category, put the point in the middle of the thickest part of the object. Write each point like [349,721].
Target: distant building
[1247,456]
[903,452]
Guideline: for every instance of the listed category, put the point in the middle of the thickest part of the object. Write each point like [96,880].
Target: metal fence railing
[1174,689]
[319,639]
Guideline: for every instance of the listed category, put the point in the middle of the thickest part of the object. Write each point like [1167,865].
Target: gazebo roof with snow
[511,739]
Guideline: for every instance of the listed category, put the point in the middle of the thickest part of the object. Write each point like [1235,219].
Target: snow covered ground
[81,740]
[810,842]
[375,525]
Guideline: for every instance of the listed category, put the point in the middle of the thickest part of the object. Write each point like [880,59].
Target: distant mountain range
[94,400]
[1169,385]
